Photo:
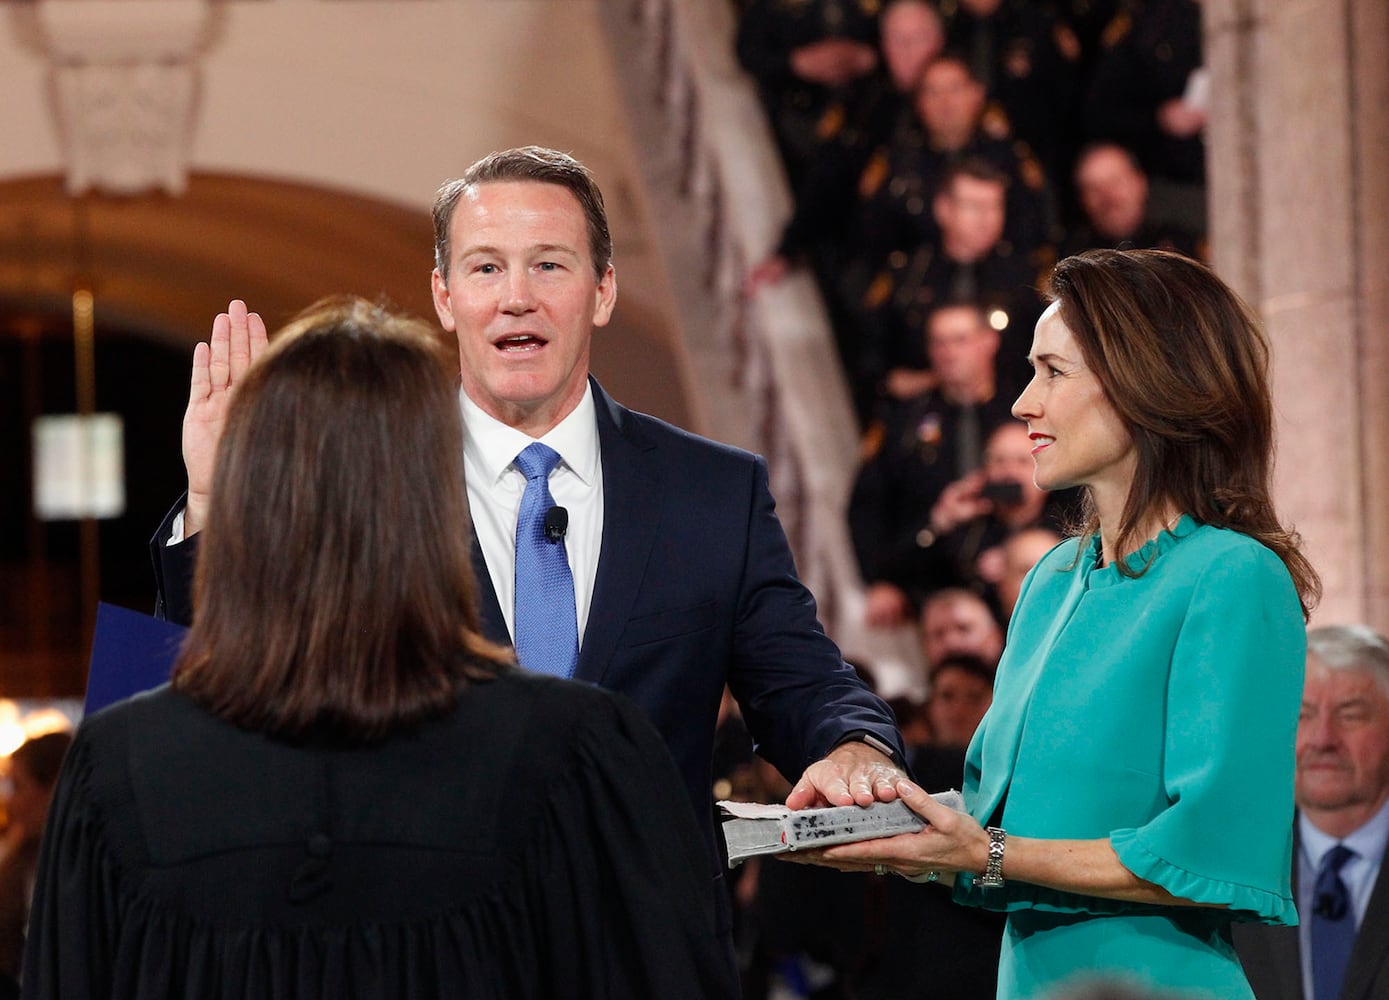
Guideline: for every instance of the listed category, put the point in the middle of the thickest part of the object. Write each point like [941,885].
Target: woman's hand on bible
[950,842]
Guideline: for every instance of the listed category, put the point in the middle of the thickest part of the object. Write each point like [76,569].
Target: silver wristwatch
[993,871]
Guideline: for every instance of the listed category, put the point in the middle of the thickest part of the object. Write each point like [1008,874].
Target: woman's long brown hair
[334,595]
[1185,364]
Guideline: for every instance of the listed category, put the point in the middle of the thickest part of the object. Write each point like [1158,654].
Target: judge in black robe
[536,842]
[345,791]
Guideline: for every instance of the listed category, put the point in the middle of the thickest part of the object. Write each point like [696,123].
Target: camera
[1004,491]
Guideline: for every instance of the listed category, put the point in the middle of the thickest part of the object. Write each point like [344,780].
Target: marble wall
[1298,146]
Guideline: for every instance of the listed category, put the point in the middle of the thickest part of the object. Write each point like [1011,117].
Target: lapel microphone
[556,524]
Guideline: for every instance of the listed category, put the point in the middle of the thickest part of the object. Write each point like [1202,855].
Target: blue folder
[131,652]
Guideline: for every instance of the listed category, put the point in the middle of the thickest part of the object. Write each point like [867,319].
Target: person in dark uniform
[896,186]
[1113,193]
[961,540]
[1088,20]
[890,215]
[971,261]
[926,441]
[911,36]
[1148,94]
[823,230]
[808,57]
[1027,59]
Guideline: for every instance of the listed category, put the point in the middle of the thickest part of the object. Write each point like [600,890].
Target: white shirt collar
[492,446]
[1367,842]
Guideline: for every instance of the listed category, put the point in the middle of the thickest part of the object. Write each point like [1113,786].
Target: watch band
[877,743]
[879,746]
[993,871]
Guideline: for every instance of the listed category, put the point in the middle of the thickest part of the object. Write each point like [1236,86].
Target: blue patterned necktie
[547,632]
[1333,925]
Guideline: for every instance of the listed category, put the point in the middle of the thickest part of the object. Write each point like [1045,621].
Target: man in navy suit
[682,577]
[1342,797]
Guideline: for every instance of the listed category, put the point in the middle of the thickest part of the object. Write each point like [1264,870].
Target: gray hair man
[1341,948]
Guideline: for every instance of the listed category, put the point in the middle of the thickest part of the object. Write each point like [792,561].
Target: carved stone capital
[124,85]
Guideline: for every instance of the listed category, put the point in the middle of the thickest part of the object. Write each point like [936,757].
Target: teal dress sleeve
[1220,830]
[1232,706]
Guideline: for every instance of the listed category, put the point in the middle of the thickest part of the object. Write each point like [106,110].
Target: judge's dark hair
[527,163]
[334,597]
[1185,364]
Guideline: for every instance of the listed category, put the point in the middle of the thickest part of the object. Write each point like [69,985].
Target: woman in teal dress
[1129,793]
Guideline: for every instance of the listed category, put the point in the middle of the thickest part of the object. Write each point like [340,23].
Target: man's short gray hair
[1351,647]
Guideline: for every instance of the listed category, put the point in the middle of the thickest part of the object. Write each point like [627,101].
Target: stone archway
[172,263]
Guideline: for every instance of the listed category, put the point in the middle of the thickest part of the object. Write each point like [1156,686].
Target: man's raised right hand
[238,338]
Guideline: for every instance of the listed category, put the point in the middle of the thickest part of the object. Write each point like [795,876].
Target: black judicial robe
[534,842]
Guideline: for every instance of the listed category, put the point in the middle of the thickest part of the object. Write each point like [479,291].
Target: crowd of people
[947,152]
[943,155]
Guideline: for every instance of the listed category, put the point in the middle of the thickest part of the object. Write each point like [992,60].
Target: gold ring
[880,869]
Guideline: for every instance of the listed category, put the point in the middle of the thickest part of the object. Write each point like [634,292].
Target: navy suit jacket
[1272,956]
[695,587]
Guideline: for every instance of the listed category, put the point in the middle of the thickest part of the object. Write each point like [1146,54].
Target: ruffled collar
[1145,555]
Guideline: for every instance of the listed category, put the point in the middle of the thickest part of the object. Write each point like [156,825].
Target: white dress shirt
[495,487]
[1359,874]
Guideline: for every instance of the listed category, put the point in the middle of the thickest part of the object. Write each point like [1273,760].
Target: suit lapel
[1272,955]
[489,609]
[1370,957]
[632,493]
[1285,943]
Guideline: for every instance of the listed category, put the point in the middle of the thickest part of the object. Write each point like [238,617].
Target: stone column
[1298,145]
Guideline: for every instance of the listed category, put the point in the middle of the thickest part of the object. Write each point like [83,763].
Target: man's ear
[605,297]
[442,306]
